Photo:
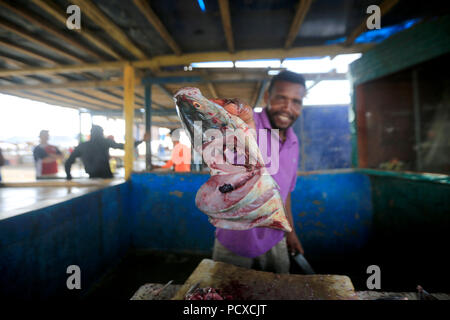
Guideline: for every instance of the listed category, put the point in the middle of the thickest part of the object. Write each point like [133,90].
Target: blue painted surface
[165,215]
[91,231]
[325,138]
[332,213]
[334,216]
[326,219]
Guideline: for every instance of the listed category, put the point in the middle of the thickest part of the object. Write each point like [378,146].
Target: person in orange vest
[181,155]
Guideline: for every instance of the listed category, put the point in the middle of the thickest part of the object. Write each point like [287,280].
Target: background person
[46,157]
[180,159]
[95,154]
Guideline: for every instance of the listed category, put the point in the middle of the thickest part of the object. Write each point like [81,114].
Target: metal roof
[161,37]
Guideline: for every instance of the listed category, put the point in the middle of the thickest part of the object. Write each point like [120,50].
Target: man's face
[284,103]
[44,137]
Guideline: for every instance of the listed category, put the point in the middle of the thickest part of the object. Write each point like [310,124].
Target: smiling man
[264,248]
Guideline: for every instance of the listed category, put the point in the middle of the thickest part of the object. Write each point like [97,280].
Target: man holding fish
[265,248]
[249,203]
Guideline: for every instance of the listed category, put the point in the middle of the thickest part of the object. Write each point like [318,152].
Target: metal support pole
[417,126]
[148,126]
[128,99]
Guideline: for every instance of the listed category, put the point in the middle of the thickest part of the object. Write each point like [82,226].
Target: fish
[240,193]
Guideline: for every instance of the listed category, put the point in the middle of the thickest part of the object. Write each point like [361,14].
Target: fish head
[197,113]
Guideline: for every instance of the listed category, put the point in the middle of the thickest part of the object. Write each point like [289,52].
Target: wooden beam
[13,62]
[128,107]
[147,11]
[102,66]
[105,99]
[385,7]
[27,52]
[53,10]
[98,17]
[119,93]
[91,100]
[64,85]
[68,96]
[164,90]
[139,100]
[105,96]
[73,98]
[300,14]
[44,25]
[49,97]
[31,38]
[226,22]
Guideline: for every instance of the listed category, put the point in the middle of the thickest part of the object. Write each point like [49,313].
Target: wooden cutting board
[246,284]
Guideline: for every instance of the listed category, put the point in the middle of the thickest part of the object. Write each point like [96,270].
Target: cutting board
[247,284]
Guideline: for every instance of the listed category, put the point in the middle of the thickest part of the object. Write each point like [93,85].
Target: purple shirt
[255,242]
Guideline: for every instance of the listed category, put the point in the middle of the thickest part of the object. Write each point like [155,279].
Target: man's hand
[238,108]
[293,243]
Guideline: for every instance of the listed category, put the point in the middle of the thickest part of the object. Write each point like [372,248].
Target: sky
[24,117]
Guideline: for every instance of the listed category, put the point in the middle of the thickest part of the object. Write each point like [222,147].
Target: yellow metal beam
[300,14]
[385,7]
[185,59]
[226,22]
[56,12]
[128,110]
[98,17]
[147,11]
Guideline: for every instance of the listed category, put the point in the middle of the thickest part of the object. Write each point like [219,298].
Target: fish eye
[196,104]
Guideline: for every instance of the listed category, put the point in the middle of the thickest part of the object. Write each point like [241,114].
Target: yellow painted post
[128,110]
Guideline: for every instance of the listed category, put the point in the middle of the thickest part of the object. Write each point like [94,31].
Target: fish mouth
[193,111]
[219,148]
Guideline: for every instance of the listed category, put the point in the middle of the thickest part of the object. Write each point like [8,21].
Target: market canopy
[41,59]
